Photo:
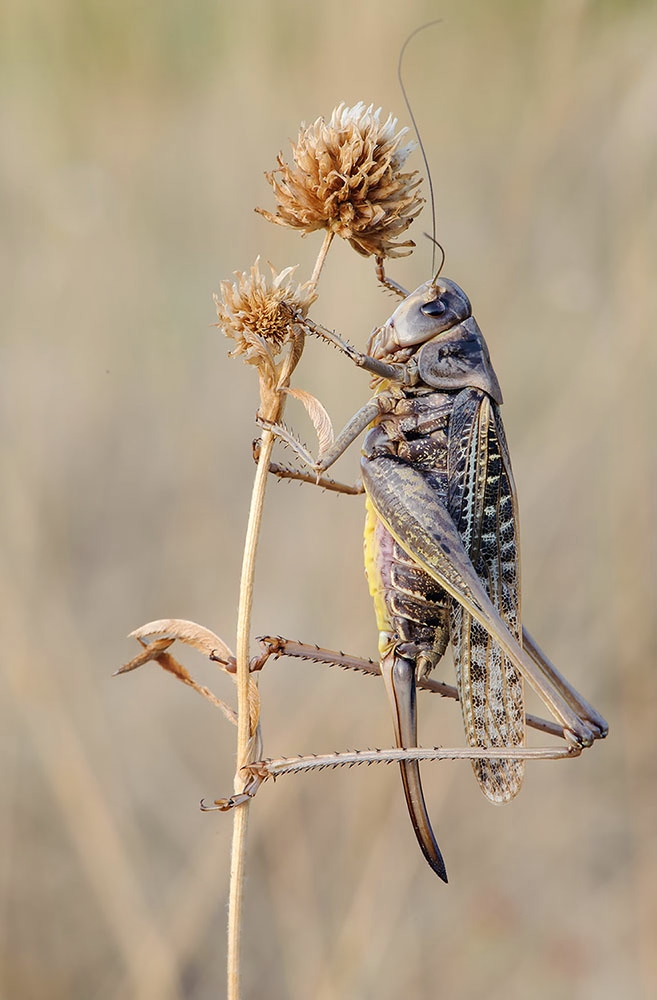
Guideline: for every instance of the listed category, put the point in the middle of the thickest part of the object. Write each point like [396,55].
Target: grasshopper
[441,539]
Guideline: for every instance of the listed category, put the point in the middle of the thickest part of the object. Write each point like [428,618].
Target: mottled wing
[409,507]
[482,504]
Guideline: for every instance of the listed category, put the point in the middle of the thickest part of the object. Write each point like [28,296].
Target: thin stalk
[241,814]
[271,408]
[321,257]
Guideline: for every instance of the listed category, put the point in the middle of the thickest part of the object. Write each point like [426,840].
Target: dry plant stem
[240,822]
[241,817]
[321,257]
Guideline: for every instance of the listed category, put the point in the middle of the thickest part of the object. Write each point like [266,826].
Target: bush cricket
[441,539]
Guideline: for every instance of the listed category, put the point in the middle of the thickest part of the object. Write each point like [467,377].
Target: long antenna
[419,138]
[442,251]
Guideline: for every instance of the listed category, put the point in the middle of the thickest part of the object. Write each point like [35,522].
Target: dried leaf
[320,418]
[254,708]
[195,635]
[151,651]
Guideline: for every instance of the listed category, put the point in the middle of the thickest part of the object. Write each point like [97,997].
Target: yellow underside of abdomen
[372,570]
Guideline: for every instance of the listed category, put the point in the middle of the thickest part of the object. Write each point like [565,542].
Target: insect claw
[578,738]
[602,728]
[230,665]
[597,725]
[223,805]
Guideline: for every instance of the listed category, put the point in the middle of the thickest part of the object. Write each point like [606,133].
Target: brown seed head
[347,178]
[257,311]
[259,314]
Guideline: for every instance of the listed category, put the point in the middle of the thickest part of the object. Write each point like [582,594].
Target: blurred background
[134,140]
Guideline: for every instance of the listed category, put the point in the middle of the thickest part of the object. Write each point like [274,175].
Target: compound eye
[434,308]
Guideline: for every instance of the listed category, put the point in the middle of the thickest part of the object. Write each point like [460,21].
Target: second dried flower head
[347,177]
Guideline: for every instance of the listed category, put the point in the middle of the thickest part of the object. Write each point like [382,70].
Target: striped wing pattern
[483,506]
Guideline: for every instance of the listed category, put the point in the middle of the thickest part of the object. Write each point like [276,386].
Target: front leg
[389,283]
[393,372]
[362,419]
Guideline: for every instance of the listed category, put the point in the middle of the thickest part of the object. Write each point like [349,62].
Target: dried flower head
[347,178]
[258,313]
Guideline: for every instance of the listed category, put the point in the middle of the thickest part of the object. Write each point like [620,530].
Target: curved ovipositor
[399,676]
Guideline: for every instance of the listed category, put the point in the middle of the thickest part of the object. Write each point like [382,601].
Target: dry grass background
[134,141]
